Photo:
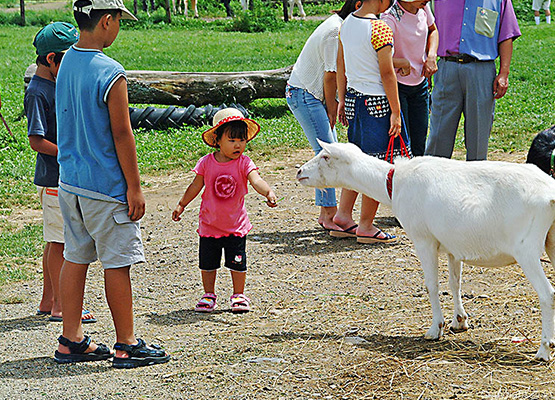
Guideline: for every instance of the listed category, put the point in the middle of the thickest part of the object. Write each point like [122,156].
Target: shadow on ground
[417,348]
[23,323]
[185,317]
[46,368]
[310,242]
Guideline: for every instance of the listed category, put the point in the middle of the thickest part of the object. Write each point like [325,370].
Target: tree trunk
[22,11]
[200,88]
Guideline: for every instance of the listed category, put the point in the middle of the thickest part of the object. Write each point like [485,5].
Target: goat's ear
[323,145]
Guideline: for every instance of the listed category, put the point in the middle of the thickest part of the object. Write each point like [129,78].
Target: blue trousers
[415,105]
[311,114]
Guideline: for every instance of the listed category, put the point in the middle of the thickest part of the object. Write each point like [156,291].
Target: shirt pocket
[486,20]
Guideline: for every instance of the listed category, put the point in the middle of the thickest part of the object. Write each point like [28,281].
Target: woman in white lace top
[311,96]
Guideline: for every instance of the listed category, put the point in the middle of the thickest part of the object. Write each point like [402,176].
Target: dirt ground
[332,319]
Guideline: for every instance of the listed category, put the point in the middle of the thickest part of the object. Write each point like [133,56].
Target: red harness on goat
[389,154]
[389,182]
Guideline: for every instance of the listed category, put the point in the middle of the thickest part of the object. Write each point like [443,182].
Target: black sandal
[139,355]
[78,351]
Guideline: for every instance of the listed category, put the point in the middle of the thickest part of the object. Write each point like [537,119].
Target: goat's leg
[460,316]
[427,253]
[531,266]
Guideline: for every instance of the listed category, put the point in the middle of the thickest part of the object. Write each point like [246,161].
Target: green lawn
[194,45]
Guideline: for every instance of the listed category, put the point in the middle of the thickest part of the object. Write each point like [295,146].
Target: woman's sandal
[207,303]
[78,351]
[387,238]
[240,303]
[139,355]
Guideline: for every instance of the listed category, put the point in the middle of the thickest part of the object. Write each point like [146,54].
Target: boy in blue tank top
[100,192]
[50,43]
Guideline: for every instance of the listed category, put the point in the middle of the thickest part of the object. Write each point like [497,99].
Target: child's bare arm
[192,191]
[262,187]
[389,81]
[430,65]
[42,145]
[118,108]
[341,85]
[403,65]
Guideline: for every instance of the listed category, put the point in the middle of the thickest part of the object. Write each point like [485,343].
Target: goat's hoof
[543,353]
[435,332]
[459,324]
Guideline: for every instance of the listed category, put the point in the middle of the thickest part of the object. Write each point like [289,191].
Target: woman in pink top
[223,220]
[415,53]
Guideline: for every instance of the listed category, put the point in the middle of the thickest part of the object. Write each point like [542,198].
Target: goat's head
[327,169]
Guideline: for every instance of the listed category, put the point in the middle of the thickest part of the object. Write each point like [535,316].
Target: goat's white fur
[483,213]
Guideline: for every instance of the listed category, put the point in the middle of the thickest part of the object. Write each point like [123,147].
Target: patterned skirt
[369,123]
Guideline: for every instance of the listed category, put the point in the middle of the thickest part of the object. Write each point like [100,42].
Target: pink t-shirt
[410,35]
[222,210]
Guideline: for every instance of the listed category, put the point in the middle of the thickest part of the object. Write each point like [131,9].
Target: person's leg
[301,9]
[313,118]
[367,213]
[447,105]
[238,278]
[228,9]
[47,300]
[477,81]
[55,260]
[117,284]
[72,279]
[404,99]
[547,6]
[537,17]
[344,215]
[209,281]
[195,9]
[416,117]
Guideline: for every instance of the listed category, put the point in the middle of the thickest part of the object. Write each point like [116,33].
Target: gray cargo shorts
[99,230]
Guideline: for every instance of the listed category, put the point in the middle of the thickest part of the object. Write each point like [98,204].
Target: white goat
[484,213]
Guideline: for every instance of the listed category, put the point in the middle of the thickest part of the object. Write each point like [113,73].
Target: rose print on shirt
[225,186]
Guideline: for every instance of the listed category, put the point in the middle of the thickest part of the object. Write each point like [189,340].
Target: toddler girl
[223,220]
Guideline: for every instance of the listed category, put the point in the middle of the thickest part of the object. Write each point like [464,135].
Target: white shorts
[53,223]
[539,4]
[96,229]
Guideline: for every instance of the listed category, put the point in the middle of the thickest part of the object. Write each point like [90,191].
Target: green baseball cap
[55,38]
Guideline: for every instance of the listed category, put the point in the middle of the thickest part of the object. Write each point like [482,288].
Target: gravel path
[332,319]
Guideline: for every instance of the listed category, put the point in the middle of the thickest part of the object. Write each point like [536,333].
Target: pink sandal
[207,303]
[240,303]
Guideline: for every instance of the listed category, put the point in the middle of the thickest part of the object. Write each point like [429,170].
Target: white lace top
[319,55]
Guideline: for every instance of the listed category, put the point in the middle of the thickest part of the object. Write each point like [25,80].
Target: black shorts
[210,253]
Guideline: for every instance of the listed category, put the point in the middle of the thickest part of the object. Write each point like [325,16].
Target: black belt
[461,59]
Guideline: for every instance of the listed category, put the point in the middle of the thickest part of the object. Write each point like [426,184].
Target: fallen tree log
[201,88]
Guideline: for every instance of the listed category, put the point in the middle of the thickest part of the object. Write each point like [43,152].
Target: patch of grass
[22,244]
[19,248]
[12,299]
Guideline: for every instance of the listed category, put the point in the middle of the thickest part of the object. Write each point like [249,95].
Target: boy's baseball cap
[55,38]
[105,5]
